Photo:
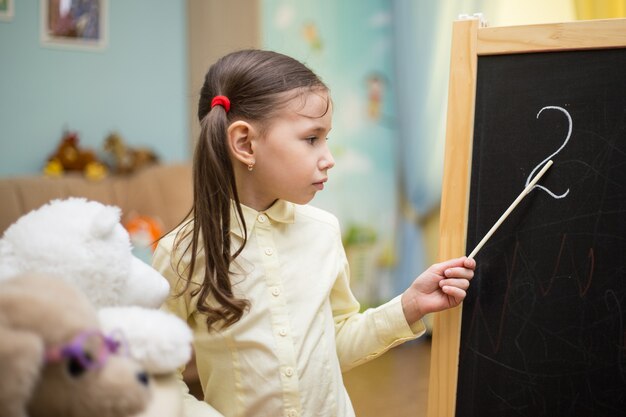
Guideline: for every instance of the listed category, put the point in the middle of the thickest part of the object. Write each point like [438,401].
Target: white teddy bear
[84,243]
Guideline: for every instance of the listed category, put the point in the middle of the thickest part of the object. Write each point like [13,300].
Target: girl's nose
[327,161]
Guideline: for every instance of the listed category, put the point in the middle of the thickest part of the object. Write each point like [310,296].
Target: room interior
[395,384]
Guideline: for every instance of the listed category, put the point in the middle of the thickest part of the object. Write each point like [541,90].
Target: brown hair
[255,82]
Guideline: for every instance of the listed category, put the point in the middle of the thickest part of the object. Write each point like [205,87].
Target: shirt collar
[280,212]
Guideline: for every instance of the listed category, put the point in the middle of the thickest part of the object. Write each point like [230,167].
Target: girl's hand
[440,287]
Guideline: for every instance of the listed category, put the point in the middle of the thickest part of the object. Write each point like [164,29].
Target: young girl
[261,277]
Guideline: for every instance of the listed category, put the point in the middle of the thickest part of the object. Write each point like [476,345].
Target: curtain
[599,9]
[422,36]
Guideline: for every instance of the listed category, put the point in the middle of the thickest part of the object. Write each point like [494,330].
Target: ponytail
[214,189]
[244,85]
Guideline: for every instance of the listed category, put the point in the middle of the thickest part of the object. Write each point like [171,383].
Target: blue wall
[349,44]
[136,86]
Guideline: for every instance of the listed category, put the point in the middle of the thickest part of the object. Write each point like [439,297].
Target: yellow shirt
[286,354]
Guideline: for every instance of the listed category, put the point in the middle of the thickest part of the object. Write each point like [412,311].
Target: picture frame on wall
[6,10]
[80,24]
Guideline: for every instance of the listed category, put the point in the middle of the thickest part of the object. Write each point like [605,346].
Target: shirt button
[292,413]
[269,251]
[289,371]
[262,218]
[283,332]
[276,291]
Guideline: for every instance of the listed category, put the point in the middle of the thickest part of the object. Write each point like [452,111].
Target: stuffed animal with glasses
[54,359]
[83,243]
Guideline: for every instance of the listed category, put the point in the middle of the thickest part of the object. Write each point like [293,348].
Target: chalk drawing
[569,134]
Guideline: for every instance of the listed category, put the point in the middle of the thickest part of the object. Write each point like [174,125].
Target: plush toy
[54,359]
[69,156]
[144,232]
[124,159]
[160,341]
[84,243]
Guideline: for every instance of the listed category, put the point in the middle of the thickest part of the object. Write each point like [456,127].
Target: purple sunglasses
[90,348]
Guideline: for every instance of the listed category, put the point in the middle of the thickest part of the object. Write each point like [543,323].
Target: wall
[349,45]
[136,86]
[210,37]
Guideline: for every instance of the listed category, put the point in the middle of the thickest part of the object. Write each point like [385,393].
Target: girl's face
[292,159]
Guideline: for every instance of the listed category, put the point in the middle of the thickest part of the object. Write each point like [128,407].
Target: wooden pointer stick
[510,209]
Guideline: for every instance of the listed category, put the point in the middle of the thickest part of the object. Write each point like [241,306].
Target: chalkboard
[544,324]
[543,328]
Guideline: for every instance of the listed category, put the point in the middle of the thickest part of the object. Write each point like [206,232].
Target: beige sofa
[162,191]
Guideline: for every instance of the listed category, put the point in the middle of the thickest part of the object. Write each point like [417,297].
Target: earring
[250,167]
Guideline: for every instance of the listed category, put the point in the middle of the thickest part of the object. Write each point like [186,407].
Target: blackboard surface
[544,324]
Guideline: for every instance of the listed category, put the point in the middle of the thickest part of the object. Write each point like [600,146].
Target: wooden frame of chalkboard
[470,119]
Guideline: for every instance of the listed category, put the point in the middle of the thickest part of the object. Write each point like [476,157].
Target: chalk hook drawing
[569,134]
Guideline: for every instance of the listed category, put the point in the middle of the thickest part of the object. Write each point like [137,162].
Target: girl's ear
[240,136]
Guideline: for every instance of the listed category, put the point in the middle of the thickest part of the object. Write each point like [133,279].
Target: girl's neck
[255,204]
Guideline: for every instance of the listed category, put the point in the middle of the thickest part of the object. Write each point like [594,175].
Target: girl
[261,277]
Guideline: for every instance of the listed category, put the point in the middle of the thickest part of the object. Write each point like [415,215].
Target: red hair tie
[221,101]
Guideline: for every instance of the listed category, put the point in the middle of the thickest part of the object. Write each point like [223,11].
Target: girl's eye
[311,140]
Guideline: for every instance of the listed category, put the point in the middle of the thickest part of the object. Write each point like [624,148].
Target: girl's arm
[361,337]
